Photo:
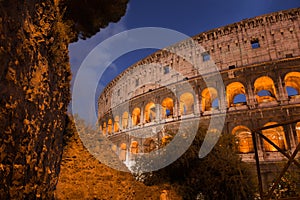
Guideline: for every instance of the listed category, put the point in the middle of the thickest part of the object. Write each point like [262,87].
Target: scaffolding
[291,159]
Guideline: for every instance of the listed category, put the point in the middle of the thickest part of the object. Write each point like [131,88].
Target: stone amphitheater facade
[259,62]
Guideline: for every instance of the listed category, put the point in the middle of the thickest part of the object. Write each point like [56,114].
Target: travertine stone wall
[229,47]
[254,55]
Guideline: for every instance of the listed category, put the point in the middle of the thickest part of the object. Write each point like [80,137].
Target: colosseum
[258,61]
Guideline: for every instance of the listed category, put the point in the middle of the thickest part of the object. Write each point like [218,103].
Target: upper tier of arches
[264,91]
[258,40]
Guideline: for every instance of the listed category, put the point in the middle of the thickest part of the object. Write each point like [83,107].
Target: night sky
[190,17]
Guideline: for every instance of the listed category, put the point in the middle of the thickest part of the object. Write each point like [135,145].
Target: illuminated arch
[292,82]
[114,148]
[104,128]
[276,135]
[134,147]
[136,116]
[125,117]
[109,126]
[166,140]
[116,124]
[298,131]
[167,107]
[234,92]
[149,145]
[150,112]
[209,95]
[122,154]
[264,89]
[244,139]
[186,103]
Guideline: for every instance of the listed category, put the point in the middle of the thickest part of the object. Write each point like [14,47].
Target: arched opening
[116,124]
[186,103]
[104,128]
[134,147]
[210,99]
[244,139]
[215,104]
[109,126]
[291,91]
[167,108]
[149,145]
[292,83]
[239,100]
[114,148]
[125,120]
[298,131]
[150,112]
[235,93]
[122,154]
[276,135]
[264,89]
[136,116]
[165,140]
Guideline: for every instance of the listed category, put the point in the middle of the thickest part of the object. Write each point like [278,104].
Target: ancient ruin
[259,62]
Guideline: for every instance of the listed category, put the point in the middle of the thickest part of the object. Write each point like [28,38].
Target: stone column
[130,120]
[158,112]
[176,111]
[282,93]
[142,120]
[196,104]
[222,99]
[251,100]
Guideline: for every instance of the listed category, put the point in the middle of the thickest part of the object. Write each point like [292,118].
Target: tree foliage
[220,175]
[86,17]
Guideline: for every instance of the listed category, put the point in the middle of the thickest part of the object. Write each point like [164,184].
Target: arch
[276,135]
[109,126]
[136,116]
[292,81]
[114,148]
[149,145]
[165,140]
[215,103]
[116,124]
[167,107]
[123,149]
[125,117]
[234,93]
[150,112]
[240,99]
[264,89]
[291,91]
[298,131]
[134,147]
[104,128]
[244,139]
[186,103]
[209,95]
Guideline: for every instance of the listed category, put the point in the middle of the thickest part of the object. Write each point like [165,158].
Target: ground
[84,177]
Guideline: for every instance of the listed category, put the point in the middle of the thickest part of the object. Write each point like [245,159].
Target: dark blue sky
[190,17]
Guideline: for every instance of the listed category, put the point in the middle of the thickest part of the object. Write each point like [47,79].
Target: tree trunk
[34,94]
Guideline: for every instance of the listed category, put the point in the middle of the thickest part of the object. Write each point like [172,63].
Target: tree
[35,86]
[219,175]
[87,17]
